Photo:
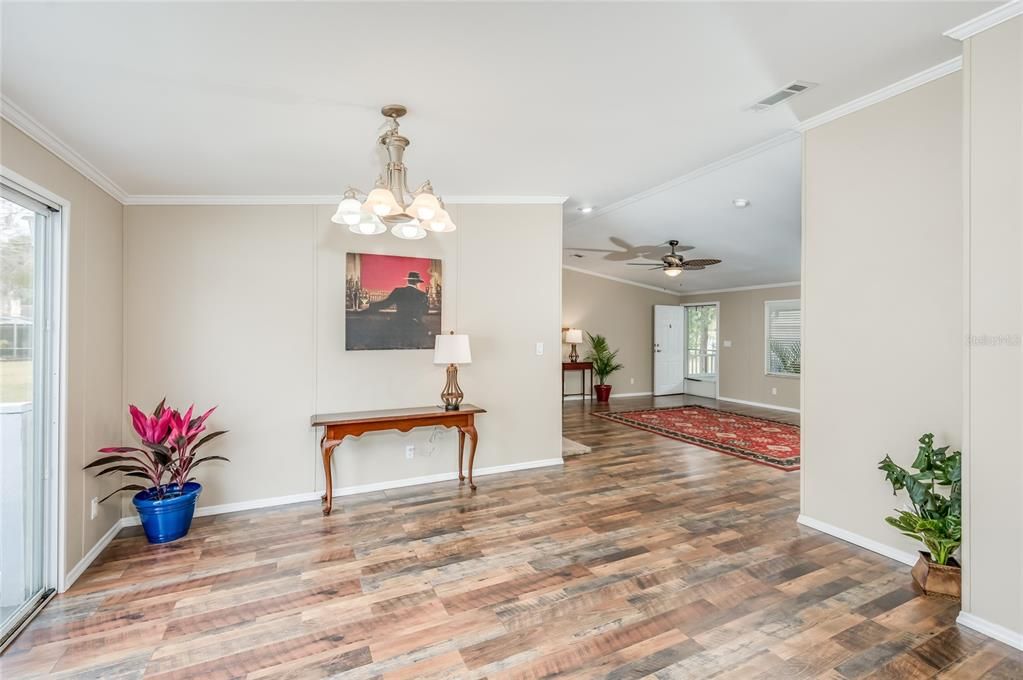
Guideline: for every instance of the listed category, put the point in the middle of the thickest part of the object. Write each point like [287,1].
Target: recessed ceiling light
[585,209]
[740,202]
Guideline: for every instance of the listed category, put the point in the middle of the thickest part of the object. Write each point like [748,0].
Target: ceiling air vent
[784,94]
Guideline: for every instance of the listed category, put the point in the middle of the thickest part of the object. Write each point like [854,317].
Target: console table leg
[328,451]
[473,439]
[461,450]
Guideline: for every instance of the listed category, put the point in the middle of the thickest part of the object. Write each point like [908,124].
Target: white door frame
[717,314]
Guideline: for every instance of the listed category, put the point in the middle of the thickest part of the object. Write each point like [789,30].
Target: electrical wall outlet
[632,381]
[410,451]
[774,390]
[726,343]
[94,508]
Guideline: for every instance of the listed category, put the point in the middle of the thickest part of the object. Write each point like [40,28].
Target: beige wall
[741,372]
[254,322]
[882,294]
[624,314]
[993,474]
[94,332]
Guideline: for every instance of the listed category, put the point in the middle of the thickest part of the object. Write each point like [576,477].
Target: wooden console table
[337,426]
[582,367]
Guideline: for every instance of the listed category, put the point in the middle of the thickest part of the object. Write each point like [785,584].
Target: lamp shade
[452,349]
[574,336]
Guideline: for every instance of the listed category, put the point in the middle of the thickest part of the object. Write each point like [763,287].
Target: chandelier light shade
[409,214]
[368,225]
[410,231]
[440,223]
[349,211]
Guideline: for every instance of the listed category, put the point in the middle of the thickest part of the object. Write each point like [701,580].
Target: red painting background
[384,272]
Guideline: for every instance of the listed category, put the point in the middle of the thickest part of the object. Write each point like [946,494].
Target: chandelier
[409,214]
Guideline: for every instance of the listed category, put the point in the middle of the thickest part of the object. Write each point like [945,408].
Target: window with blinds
[782,323]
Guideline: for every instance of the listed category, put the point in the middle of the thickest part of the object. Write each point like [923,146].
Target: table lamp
[573,336]
[452,350]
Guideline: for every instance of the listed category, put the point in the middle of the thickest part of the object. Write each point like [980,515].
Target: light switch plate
[539,349]
[726,343]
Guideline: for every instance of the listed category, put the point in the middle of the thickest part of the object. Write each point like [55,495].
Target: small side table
[582,367]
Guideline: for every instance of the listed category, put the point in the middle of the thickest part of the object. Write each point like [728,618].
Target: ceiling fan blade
[702,262]
[691,268]
[639,264]
[620,242]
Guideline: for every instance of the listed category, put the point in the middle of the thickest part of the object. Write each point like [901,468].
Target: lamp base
[452,395]
[573,356]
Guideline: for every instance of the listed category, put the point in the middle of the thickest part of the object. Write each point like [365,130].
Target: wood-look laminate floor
[645,557]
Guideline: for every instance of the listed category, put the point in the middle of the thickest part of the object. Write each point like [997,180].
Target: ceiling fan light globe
[673,271]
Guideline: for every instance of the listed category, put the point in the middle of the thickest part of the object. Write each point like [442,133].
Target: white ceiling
[595,101]
[758,244]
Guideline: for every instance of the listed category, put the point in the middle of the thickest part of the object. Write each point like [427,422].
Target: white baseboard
[862,541]
[757,403]
[357,489]
[89,557]
[992,630]
[577,397]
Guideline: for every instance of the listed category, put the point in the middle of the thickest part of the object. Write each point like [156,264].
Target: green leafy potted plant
[935,518]
[605,362]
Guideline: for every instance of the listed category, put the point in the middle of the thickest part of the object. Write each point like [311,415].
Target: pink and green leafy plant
[170,441]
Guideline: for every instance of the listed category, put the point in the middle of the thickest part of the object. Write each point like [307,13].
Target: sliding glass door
[29,378]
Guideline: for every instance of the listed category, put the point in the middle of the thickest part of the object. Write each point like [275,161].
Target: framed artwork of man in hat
[392,302]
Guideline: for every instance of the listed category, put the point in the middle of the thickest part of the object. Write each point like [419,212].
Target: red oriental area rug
[756,439]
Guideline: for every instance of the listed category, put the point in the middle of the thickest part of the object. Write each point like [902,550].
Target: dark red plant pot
[603,393]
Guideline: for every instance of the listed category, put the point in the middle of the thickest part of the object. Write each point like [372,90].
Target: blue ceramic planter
[169,518]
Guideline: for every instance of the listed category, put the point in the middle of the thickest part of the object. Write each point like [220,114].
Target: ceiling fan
[674,264]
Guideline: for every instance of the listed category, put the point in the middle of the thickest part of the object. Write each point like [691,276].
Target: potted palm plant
[604,364]
[935,519]
[166,460]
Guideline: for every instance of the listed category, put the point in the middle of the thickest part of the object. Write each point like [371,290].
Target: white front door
[669,349]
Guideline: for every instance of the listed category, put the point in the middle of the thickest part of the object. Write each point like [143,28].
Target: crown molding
[505,200]
[887,92]
[749,152]
[968,29]
[741,288]
[621,280]
[17,117]
[161,199]
[211,199]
